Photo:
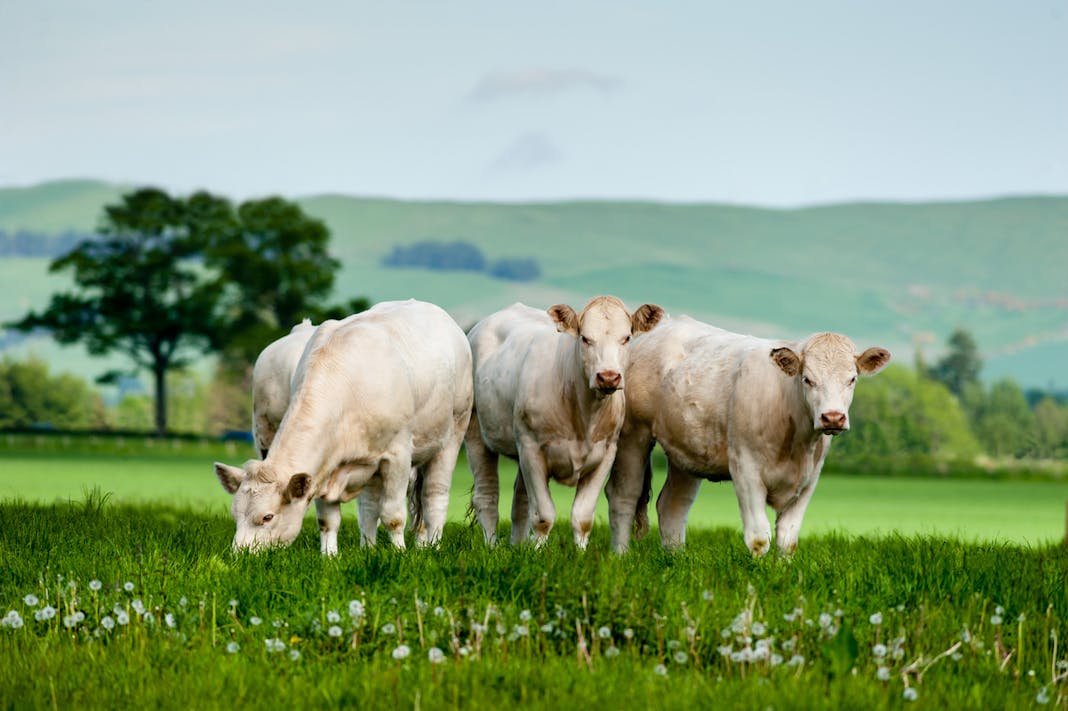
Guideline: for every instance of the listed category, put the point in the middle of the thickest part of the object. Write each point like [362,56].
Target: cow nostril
[609,379]
[833,420]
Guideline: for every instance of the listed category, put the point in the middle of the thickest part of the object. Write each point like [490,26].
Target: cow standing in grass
[726,406]
[373,397]
[548,393]
[272,378]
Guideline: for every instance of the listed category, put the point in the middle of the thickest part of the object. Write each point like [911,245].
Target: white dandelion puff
[255,621]
[334,631]
[435,655]
[233,648]
[628,633]
[128,586]
[439,611]
[825,620]
[876,619]
[995,620]
[122,618]
[95,585]
[604,632]
[524,616]
[107,623]
[680,657]
[31,600]
[389,628]
[333,617]
[882,673]
[1043,696]
[660,670]
[612,651]
[402,651]
[294,654]
[910,694]
[878,651]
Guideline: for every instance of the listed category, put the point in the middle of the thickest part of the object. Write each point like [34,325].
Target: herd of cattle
[376,406]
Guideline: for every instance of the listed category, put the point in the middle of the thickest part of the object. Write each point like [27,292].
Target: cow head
[268,510]
[603,331]
[825,372]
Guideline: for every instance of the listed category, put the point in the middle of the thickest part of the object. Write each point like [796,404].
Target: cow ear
[566,319]
[298,487]
[788,361]
[872,360]
[645,318]
[229,477]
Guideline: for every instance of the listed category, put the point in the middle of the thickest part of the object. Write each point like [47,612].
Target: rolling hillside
[893,274]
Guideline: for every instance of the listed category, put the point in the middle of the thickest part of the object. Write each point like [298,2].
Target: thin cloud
[527,152]
[542,82]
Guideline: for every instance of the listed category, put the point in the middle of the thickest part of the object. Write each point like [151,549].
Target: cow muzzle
[608,381]
[833,422]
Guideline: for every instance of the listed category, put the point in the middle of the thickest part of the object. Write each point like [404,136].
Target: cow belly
[708,464]
[568,462]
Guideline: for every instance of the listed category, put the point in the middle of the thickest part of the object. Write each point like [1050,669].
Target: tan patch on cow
[565,318]
[585,527]
[645,318]
[872,360]
[787,361]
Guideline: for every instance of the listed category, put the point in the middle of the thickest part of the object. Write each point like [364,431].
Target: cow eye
[268,517]
[805,379]
[586,341]
[853,380]
[626,340]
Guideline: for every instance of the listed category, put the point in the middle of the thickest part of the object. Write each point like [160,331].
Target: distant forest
[26,243]
[460,256]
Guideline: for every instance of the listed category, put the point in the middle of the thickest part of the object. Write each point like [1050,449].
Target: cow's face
[603,331]
[825,372]
[267,513]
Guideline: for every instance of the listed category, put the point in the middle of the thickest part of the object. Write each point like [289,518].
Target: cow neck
[585,403]
[805,435]
[299,449]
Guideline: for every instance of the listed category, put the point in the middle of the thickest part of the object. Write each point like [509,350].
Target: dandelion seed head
[707,595]
[825,620]
[999,610]
[776,660]
[524,616]
[796,661]
[910,694]
[674,644]
[70,621]
[95,585]
[876,619]
[882,673]
[294,654]
[168,620]
[107,623]
[31,600]
[334,631]
[680,657]
[128,586]
[389,628]
[122,617]
[255,621]
[660,670]
[439,611]
[628,633]
[402,651]
[138,606]
[333,617]
[878,651]
[612,651]
[233,648]
[1042,698]
[995,620]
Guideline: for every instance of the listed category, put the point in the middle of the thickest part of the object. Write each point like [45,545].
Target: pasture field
[110,605]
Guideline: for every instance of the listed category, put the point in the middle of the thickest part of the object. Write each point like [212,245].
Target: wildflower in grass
[30,600]
[233,605]
[168,620]
[128,586]
[294,654]
[524,616]
[628,633]
[501,629]
[995,620]
[965,636]
[999,610]
[439,611]
[465,650]
[95,585]
[1062,664]
[776,660]
[956,656]
[334,631]
[547,627]
[790,616]
[680,657]
[182,602]
[910,694]
[1021,618]
[12,620]
[435,655]
[788,645]
[70,621]
[122,618]
[796,661]
[333,617]
[402,651]
[274,645]
[1043,697]
[233,648]
[521,630]
[612,651]
[674,644]
[825,620]
[389,628]
[356,609]
[882,673]
[707,595]
[660,670]
[878,651]
[138,606]
[604,632]
[725,650]
[255,621]
[759,629]
[107,623]
[45,613]
[876,619]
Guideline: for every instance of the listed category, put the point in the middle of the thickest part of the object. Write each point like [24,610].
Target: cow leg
[329,515]
[752,503]
[586,493]
[536,480]
[368,505]
[437,478]
[485,499]
[520,511]
[395,470]
[673,506]
[624,488]
[788,521]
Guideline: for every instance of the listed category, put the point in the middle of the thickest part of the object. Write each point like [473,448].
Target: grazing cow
[548,393]
[271,380]
[374,396]
[728,406]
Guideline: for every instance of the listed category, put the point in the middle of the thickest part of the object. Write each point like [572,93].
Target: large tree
[139,290]
[960,366]
[168,279]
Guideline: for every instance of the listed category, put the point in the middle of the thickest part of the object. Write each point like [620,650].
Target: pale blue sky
[773,103]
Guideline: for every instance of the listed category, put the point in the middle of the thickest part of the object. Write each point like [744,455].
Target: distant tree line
[460,256]
[27,243]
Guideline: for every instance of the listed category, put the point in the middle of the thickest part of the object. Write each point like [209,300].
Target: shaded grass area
[514,624]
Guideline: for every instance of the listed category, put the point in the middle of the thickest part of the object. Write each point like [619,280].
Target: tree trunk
[160,372]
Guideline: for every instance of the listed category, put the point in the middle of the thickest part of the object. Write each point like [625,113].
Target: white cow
[728,406]
[548,393]
[374,396]
[272,377]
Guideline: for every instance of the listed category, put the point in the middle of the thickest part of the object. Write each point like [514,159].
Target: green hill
[898,275]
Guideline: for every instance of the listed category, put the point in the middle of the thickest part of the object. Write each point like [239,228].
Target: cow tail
[641,515]
[415,500]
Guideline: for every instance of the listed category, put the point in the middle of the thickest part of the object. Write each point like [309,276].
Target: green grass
[180,474]
[516,626]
